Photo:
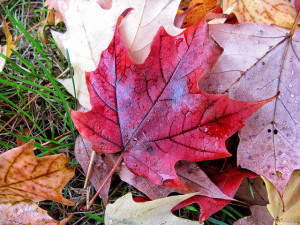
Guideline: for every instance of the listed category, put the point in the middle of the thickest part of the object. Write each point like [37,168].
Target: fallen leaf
[199,12]
[25,177]
[189,173]
[260,215]
[6,49]
[184,4]
[260,195]
[278,12]
[125,210]
[141,24]
[154,112]
[228,179]
[50,18]
[19,141]
[253,68]
[60,7]
[26,212]
[90,29]
[286,209]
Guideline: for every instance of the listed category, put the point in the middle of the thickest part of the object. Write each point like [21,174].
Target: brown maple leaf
[25,177]
[264,62]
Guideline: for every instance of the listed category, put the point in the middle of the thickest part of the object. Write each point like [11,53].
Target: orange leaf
[199,12]
[25,177]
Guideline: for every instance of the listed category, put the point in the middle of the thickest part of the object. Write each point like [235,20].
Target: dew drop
[206,129]
[292,95]
[290,85]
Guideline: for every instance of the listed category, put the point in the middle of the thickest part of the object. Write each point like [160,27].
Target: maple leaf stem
[107,178]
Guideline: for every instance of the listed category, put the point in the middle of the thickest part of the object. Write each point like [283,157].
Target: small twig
[89,169]
[57,138]
[106,180]
[22,35]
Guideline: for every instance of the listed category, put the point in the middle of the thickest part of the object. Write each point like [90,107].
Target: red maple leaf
[154,112]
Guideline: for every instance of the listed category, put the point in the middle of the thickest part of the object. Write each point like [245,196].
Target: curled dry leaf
[60,7]
[25,177]
[278,12]
[189,173]
[24,213]
[285,209]
[228,179]
[99,169]
[264,62]
[154,112]
[90,29]
[6,49]
[125,210]
[260,195]
[259,215]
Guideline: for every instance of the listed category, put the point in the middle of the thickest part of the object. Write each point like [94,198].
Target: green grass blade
[228,213]
[95,217]
[25,113]
[215,221]
[59,93]
[234,210]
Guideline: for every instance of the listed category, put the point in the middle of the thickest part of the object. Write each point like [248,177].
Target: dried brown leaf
[190,174]
[260,195]
[260,215]
[262,60]
[25,177]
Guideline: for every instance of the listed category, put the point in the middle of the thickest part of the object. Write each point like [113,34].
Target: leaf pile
[167,101]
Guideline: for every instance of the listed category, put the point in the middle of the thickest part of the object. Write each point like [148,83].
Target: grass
[32,99]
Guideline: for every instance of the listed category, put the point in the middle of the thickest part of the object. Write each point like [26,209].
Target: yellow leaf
[278,12]
[24,177]
[286,209]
